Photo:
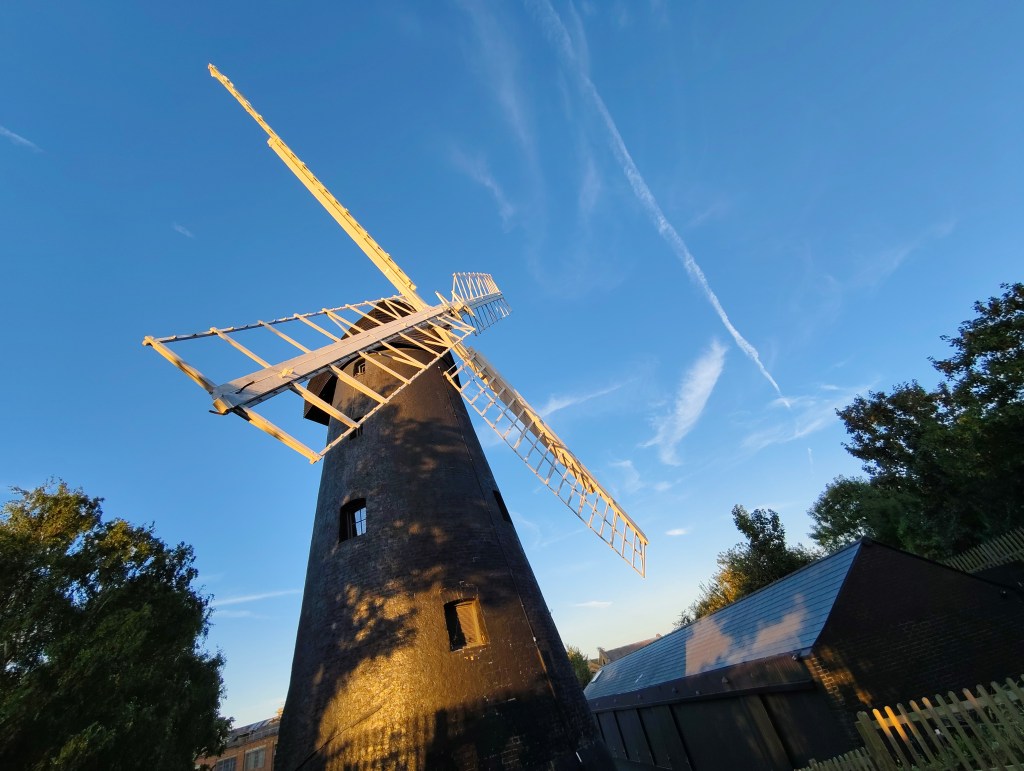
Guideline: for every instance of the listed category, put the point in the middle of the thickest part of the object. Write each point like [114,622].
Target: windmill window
[353,520]
[465,624]
[360,367]
[358,430]
[502,507]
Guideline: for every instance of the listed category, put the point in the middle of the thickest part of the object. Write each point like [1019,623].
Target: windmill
[423,640]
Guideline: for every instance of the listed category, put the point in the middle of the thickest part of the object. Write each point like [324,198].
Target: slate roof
[617,653]
[254,731]
[783,617]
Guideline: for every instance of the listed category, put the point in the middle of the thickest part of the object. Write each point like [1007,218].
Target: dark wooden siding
[666,744]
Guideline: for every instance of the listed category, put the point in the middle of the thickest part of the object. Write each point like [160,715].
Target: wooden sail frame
[443,328]
[385,327]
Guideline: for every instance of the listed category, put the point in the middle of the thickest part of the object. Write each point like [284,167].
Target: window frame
[464,620]
[262,749]
[352,520]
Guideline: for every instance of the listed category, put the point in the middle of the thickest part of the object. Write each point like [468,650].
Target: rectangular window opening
[465,624]
[255,758]
[501,505]
[353,520]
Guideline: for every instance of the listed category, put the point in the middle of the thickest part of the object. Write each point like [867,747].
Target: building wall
[767,714]
[904,627]
[900,628]
[239,746]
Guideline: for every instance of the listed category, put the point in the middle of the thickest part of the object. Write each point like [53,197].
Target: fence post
[873,743]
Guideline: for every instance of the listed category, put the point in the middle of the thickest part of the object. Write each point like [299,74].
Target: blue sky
[715,224]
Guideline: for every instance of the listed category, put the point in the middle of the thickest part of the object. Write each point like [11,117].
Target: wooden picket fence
[973,732]
[1005,548]
[857,760]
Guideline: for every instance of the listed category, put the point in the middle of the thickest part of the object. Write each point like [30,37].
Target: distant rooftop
[614,654]
[783,617]
[253,731]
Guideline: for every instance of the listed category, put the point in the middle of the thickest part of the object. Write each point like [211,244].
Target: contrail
[19,140]
[556,31]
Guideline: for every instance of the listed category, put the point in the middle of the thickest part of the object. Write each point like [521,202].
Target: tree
[580,665]
[746,567]
[101,665]
[984,398]
[850,508]
[945,467]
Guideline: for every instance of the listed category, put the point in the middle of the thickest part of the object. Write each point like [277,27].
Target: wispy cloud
[880,266]
[477,170]
[19,140]
[561,402]
[559,36]
[541,537]
[183,230]
[805,416]
[590,187]
[593,604]
[678,531]
[237,614]
[632,481]
[696,387]
[631,477]
[499,59]
[254,597]
[716,209]
[579,37]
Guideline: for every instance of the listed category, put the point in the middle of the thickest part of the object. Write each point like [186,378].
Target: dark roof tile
[784,616]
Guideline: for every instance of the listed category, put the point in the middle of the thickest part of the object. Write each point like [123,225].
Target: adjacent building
[776,679]
[249,748]
[605,657]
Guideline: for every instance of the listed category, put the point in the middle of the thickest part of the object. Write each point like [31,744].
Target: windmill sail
[480,384]
[341,215]
[386,327]
[504,410]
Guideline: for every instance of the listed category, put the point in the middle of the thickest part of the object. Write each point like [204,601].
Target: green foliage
[945,467]
[580,665]
[100,632]
[747,567]
[850,508]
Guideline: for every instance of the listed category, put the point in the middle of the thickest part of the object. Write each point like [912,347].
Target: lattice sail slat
[479,306]
[386,327]
[504,410]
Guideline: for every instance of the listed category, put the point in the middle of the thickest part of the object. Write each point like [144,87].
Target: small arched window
[353,519]
[360,367]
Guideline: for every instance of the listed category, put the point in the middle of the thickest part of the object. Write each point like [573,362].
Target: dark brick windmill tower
[424,641]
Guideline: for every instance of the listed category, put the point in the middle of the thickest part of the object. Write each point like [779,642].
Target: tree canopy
[945,467]
[746,567]
[101,640]
[580,665]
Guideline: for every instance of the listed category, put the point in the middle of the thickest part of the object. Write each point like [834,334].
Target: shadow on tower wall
[375,681]
[479,735]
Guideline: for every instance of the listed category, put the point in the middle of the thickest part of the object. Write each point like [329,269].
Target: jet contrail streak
[560,37]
